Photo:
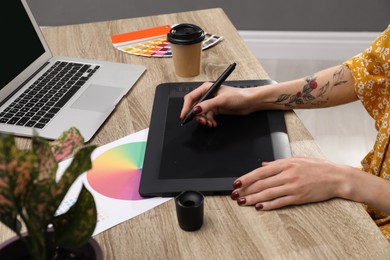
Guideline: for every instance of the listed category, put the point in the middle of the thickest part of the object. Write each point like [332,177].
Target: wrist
[261,98]
[348,183]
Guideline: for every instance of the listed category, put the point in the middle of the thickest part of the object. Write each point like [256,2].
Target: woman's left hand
[290,181]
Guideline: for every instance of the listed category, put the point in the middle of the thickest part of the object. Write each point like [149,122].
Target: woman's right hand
[227,100]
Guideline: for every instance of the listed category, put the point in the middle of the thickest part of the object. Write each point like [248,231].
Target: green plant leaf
[7,212]
[47,163]
[76,226]
[81,162]
[41,205]
[47,194]
[9,218]
[67,143]
[30,194]
[18,170]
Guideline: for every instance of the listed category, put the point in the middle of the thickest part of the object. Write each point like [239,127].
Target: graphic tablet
[196,157]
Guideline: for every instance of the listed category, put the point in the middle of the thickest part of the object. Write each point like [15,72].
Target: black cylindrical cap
[189,209]
[185,33]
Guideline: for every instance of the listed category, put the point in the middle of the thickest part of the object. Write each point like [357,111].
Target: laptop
[51,94]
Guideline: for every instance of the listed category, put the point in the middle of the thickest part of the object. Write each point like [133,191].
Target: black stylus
[190,115]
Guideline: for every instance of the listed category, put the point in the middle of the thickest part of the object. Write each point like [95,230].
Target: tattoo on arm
[311,92]
[304,96]
[338,77]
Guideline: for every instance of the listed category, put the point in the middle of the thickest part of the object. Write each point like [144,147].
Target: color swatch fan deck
[152,42]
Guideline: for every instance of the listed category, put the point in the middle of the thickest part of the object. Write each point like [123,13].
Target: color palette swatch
[152,42]
[159,47]
[116,173]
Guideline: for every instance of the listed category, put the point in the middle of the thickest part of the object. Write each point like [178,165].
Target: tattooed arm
[329,87]
[293,181]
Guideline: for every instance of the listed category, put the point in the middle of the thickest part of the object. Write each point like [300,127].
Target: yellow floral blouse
[371,71]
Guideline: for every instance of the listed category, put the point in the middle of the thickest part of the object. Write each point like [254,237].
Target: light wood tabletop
[335,229]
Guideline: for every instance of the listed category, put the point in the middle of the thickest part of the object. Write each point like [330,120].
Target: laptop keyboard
[38,104]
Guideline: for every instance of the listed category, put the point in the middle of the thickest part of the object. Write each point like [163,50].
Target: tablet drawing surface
[196,151]
[196,157]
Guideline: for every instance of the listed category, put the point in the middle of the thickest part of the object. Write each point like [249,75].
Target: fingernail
[234,195]
[259,206]
[197,110]
[237,184]
[241,201]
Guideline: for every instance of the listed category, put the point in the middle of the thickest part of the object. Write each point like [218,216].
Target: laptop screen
[20,43]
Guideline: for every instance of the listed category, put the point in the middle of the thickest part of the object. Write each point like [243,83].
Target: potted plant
[30,195]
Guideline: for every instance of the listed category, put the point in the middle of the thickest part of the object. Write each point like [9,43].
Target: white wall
[345,133]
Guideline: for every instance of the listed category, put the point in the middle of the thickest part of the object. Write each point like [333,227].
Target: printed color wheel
[116,173]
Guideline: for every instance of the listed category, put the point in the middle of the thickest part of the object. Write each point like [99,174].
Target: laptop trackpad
[98,98]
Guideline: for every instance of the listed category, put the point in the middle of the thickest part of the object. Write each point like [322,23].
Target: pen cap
[189,210]
[185,34]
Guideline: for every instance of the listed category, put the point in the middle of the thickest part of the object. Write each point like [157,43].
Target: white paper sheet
[111,211]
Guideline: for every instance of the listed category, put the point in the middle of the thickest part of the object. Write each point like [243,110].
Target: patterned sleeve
[371,72]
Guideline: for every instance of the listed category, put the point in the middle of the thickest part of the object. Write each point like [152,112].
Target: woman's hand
[291,181]
[228,100]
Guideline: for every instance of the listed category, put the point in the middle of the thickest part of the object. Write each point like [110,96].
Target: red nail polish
[241,201]
[197,110]
[234,195]
[259,206]
[237,184]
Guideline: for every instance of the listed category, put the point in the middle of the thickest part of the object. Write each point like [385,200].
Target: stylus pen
[212,90]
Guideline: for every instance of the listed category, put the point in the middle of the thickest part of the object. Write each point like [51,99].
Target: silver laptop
[51,94]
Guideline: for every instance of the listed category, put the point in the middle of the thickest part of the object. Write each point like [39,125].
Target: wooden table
[336,229]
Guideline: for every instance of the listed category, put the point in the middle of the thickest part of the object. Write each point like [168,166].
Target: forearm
[368,189]
[330,87]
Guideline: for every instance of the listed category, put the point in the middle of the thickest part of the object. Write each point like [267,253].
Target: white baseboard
[307,45]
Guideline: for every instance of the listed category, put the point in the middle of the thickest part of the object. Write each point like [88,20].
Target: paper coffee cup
[186,45]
